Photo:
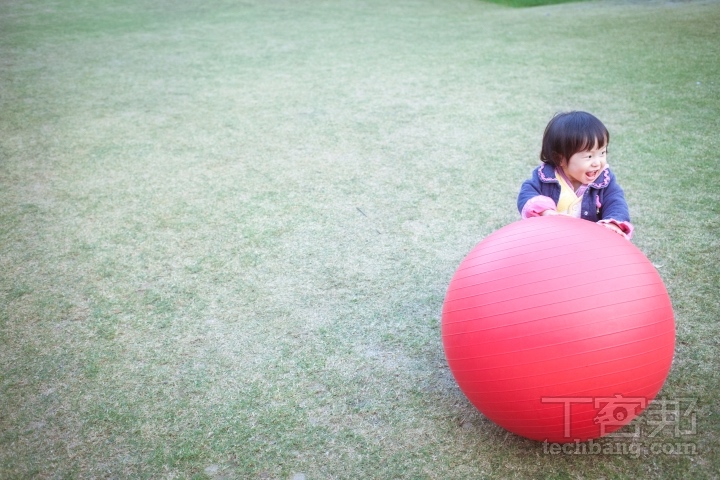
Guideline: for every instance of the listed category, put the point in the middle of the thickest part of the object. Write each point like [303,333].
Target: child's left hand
[614,228]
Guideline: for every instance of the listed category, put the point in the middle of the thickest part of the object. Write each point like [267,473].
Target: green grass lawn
[227,228]
[530,3]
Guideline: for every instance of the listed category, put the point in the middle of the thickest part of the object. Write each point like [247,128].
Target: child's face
[585,166]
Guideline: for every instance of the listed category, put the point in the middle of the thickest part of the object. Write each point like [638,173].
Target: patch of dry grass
[226,229]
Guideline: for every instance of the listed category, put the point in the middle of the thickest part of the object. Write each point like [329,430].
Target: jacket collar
[546,173]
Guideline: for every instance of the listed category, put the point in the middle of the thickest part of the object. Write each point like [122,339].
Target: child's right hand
[550,212]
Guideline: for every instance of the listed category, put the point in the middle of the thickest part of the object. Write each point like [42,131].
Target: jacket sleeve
[531,202]
[614,208]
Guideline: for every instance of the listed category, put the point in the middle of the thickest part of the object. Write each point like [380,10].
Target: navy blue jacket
[602,200]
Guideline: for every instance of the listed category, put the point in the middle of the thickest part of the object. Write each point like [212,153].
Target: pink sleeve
[626,227]
[537,205]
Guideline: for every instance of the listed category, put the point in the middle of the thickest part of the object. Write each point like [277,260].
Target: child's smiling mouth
[592,174]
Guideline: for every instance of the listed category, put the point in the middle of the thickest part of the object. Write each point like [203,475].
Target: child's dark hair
[569,133]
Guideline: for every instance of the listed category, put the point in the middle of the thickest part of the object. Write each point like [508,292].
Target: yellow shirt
[569,202]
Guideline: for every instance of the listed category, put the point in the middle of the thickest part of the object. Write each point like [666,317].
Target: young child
[574,178]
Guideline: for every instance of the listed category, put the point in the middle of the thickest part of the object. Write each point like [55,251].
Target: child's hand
[614,228]
[554,212]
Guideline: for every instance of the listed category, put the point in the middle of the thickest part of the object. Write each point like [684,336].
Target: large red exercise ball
[558,329]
